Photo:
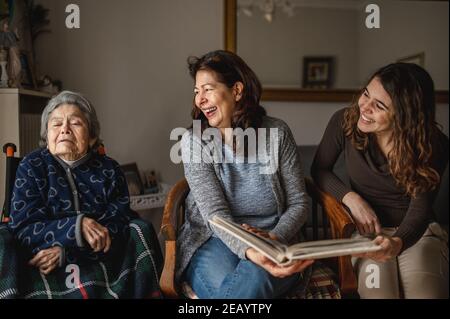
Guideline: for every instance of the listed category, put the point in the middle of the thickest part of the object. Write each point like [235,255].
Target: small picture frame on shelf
[28,78]
[318,72]
[418,59]
[134,182]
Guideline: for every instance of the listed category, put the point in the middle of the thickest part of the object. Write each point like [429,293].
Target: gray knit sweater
[207,198]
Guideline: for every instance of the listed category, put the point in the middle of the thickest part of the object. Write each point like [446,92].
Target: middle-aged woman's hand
[390,248]
[260,232]
[47,259]
[96,235]
[365,218]
[275,270]
[271,267]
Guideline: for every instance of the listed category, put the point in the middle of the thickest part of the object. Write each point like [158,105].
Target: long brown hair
[411,90]
[229,68]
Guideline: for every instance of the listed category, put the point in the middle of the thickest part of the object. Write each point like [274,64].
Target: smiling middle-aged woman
[395,156]
[71,205]
[273,203]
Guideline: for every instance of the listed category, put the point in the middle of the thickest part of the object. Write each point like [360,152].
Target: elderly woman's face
[68,133]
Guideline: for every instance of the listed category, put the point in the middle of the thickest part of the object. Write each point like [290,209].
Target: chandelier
[268,8]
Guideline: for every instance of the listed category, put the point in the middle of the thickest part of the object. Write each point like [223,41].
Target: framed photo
[418,59]
[133,177]
[28,78]
[318,72]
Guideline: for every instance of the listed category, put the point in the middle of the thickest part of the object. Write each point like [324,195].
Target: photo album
[283,254]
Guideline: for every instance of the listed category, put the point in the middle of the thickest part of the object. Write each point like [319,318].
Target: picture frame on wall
[28,78]
[318,72]
[133,178]
[418,58]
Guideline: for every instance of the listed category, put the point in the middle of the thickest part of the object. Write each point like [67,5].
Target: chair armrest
[167,280]
[169,227]
[342,226]
[169,220]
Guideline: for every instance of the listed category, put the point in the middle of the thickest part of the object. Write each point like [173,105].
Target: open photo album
[284,254]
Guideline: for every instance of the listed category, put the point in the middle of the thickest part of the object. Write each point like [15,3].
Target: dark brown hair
[229,68]
[411,90]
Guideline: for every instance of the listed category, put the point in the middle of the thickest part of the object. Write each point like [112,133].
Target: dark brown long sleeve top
[369,176]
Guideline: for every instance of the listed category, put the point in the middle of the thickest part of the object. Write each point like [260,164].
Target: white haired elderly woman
[71,204]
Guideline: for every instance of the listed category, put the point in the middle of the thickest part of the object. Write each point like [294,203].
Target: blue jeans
[216,272]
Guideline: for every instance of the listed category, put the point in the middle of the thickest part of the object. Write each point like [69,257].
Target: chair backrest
[11,167]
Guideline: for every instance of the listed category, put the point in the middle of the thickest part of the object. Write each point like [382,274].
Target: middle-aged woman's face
[68,133]
[215,99]
[376,109]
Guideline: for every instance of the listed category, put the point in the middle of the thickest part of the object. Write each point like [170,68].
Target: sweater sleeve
[207,190]
[293,185]
[330,147]
[29,222]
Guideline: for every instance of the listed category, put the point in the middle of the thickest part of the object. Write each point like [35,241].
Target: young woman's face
[215,99]
[375,109]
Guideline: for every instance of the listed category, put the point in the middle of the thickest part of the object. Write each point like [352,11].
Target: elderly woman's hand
[96,235]
[274,269]
[46,260]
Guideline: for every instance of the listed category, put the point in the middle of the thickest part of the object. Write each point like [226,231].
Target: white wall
[407,28]
[276,50]
[129,58]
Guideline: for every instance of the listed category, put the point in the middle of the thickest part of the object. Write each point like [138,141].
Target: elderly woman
[71,204]
[271,202]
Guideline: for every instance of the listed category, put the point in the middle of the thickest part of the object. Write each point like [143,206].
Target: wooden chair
[340,221]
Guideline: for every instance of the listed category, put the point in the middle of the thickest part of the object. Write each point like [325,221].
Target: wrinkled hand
[96,235]
[46,260]
[390,248]
[365,218]
[260,232]
[274,269]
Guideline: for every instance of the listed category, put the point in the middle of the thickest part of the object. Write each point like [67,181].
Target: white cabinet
[20,115]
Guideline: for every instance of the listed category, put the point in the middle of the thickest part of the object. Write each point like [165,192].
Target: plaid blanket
[132,272]
[321,285]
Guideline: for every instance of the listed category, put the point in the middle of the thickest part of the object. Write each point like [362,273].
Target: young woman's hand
[274,269]
[96,235]
[390,248]
[365,218]
[46,260]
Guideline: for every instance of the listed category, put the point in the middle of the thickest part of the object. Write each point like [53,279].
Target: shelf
[149,201]
[336,95]
[25,92]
